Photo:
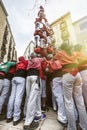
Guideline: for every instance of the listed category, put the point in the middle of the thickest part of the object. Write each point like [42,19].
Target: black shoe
[26,127]
[17,122]
[55,110]
[65,128]
[9,120]
[32,126]
[2,117]
[63,124]
[78,127]
[44,109]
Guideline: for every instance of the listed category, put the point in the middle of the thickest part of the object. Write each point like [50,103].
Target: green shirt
[6,66]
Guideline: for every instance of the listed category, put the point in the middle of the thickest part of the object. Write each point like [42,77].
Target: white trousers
[14,103]
[1,84]
[57,91]
[84,85]
[72,87]
[4,93]
[43,88]
[33,99]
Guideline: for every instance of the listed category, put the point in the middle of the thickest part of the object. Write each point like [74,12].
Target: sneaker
[43,109]
[2,117]
[62,123]
[26,127]
[32,126]
[43,116]
[24,119]
[78,127]
[9,120]
[55,108]
[65,128]
[38,118]
[17,122]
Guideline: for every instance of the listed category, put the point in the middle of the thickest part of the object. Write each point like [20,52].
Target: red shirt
[22,65]
[35,63]
[12,70]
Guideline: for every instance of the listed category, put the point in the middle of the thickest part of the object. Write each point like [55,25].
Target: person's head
[68,48]
[41,12]
[49,56]
[33,55]
[78,47]
[21,58]
[13,61]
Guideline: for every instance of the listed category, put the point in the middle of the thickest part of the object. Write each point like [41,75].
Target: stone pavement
[50,123]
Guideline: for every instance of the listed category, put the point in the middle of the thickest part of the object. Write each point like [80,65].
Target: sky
[22,14]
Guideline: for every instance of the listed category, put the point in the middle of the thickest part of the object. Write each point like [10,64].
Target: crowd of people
[23,89]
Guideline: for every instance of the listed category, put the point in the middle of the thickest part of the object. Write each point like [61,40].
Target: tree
[66,47]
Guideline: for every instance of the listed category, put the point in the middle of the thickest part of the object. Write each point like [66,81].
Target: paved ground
[50,123]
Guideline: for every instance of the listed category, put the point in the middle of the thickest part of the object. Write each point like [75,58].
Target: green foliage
[66,47]
[78,47]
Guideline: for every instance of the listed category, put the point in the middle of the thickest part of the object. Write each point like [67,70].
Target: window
[63,25]
[83,25]
[66,41]
[65,34]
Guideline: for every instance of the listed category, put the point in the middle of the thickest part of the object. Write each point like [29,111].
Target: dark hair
[13,61]
[33,55]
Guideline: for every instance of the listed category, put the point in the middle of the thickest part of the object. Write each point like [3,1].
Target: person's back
[6,66]
[64,58]
[34,65]
[72,90]
[18,89]
[21,67]
[5,93]
[33,97]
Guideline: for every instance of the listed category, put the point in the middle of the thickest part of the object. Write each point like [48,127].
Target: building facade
[3,16]
[11,53]
[80,29]
[63,30]
[7,43]
[29,50]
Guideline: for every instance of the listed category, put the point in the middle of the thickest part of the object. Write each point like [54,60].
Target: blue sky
[22,14]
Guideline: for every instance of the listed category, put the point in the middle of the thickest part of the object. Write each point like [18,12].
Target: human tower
[42,34]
